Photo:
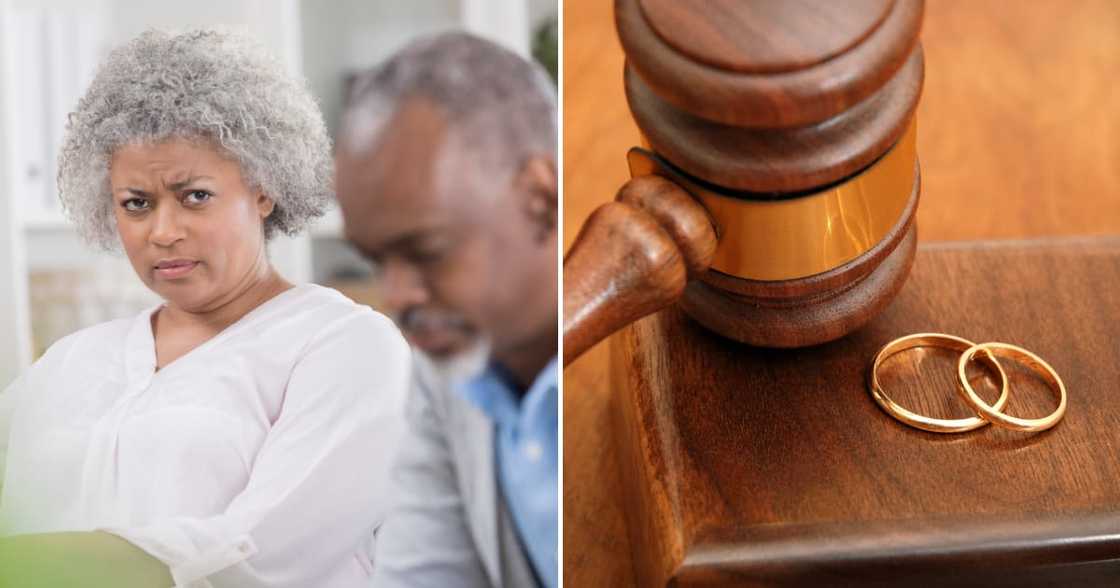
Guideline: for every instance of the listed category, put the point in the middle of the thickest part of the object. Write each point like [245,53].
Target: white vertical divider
[15,322]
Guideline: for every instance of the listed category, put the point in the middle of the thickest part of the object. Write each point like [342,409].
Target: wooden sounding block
[790,125]
[746,466]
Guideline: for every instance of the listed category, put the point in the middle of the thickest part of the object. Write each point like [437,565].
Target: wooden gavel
[775,197]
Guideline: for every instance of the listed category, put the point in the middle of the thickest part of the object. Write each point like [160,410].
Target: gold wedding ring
[921,421]
[986,413]
[992,413]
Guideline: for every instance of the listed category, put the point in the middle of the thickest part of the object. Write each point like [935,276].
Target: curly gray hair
[208,85]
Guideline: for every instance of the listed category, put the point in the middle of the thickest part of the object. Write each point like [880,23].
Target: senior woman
[240,433]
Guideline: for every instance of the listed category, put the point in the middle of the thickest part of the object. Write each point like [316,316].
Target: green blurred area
[77,560]
[546,46]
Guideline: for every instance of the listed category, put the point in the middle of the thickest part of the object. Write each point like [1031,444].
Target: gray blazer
[449,525]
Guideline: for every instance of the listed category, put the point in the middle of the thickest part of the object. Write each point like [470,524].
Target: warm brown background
[1019,138]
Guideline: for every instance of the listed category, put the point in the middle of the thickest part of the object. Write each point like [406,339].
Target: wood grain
[763,36]
[1019,139]
[770,100]
[685,220]
[779,160]
[631,258]
[766,467]
[597,133]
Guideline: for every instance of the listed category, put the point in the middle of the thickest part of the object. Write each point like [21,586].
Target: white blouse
[259,458]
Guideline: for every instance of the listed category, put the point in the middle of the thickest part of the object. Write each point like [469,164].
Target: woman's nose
[166,228]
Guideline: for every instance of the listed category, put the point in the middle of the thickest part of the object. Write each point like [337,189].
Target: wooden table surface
[1019,138]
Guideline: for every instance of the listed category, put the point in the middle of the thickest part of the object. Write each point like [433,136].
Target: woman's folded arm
[318,485]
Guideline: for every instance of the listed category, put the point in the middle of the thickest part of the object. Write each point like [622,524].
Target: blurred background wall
[51,284]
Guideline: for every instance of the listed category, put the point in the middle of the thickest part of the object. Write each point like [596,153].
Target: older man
[447,182]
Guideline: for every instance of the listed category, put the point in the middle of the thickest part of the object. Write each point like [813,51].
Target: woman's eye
[197,197]
[135,204]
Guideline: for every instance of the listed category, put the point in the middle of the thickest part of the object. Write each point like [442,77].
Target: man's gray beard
[464,365]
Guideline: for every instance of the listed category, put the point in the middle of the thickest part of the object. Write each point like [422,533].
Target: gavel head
[792,123]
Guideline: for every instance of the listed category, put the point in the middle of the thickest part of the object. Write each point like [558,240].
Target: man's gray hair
[503,106]
[213,86]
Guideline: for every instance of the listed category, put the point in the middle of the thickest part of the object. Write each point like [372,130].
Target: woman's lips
[177,268]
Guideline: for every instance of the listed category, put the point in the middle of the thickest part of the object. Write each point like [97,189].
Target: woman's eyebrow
[175,187]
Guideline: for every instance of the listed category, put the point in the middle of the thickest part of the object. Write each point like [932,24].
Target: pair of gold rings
[987,413]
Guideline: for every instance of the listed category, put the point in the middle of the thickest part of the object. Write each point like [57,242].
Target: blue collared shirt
[526,451]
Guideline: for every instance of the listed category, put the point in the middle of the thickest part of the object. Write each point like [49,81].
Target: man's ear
[265,205]
[537,185]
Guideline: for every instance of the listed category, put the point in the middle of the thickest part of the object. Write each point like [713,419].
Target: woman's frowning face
[191,226]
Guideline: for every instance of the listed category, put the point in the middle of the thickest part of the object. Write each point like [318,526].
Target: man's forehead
[405,149]
[405,172]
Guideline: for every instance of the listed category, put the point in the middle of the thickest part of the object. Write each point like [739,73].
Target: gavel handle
[632,257]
